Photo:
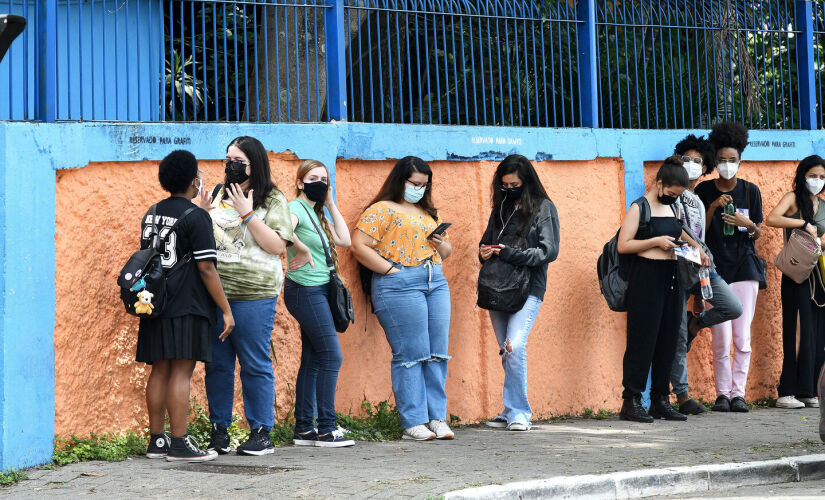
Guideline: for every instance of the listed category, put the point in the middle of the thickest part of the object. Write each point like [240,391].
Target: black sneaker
[258,443]
[158,446]
[333,440]
[739,405]
[184,449]
[307,438]
[219,441]
[722,404]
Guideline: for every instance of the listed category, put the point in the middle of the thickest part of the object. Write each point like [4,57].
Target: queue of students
[223,294]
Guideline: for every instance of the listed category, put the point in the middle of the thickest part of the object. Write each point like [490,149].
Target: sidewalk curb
[649,482]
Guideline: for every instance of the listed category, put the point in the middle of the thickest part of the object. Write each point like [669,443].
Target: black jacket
[542,240]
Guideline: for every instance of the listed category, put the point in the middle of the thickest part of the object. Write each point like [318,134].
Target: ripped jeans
[413,307]
[512,331]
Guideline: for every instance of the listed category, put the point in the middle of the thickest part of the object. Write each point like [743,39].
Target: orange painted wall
[575,348]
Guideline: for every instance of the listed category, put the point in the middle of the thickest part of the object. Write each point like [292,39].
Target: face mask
[413,194]
[666,199]
[815,185]
[200,188]
[728,170]
[694,170]
[513,193]
[235,172]
[316,191]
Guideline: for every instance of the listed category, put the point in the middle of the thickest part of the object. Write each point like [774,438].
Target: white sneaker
[809,402]
[441,429]
[498,422]
[418,433]
[789,402]
[518,426]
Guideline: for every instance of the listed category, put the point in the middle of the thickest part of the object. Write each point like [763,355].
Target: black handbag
[503,286]
[340,300]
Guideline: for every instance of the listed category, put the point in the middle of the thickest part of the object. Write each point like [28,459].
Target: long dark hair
[260,175]
[803,196]
[394,186]
[532,194]
[303,170]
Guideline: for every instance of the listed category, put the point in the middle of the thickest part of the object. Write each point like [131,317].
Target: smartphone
[491,246]
[440,229]
[681,243]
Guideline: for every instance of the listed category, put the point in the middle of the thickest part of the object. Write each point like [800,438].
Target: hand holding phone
[681,243]
[440,229]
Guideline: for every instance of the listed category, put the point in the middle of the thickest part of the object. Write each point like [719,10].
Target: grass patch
[200,427]
[602,414]
[110,447]
[379,422]
[12,476]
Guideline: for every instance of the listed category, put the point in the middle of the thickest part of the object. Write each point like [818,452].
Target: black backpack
[142,280]
[614,268]
[503,286]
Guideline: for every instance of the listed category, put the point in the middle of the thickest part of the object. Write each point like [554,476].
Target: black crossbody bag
[340,300]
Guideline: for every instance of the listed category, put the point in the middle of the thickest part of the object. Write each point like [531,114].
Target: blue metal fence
[545,63]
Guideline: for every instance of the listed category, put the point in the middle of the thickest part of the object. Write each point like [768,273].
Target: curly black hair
[729,135]
[177,170]
[703,146]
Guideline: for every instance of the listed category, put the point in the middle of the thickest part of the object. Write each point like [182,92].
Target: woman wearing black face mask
[653,294]
[250,219]
[522,213]
[306,297]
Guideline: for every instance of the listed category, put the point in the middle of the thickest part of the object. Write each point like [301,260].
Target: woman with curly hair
[731,237]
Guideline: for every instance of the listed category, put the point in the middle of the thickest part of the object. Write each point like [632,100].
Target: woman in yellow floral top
[394,240]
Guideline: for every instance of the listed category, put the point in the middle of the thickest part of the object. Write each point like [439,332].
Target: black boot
[633,410]
[660,408]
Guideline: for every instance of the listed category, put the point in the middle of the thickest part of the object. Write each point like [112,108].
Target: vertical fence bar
[588,70]
[336,67]
[46,109]
[804,22]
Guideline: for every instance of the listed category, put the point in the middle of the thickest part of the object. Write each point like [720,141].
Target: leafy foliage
[110,447]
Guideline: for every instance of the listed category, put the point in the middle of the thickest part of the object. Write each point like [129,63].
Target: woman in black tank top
[653,294]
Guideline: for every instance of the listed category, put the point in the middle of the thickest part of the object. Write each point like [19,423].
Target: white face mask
[200,187]
[694,170]
[728,170]
[815,185]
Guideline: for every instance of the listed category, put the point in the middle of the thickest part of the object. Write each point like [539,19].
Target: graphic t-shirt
[692,212]
[735,256]
[305,231]
[248,272]
[191,241]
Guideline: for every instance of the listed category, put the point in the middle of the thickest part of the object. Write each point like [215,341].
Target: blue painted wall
[32,152]
[109,61]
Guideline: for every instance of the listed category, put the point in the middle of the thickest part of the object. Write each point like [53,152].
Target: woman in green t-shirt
[306,295]
[250,219]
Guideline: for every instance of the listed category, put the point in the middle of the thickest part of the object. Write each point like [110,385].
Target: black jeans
[800,370]
[320,355]
[653,318]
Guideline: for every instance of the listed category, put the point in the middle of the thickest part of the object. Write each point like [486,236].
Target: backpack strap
[216,190]
[644,215]
[330,263]
[186,258]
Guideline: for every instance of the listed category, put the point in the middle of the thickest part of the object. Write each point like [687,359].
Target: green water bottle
[728,230]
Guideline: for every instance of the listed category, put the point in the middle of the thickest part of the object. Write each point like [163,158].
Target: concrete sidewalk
[479,456]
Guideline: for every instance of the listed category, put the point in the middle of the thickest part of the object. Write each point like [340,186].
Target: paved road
[478,456]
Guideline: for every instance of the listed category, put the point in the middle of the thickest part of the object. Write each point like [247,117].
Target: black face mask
[235,172]
[316,191]
[513,193]
[666,199]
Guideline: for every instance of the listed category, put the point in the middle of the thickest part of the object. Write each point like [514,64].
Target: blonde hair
[303,170]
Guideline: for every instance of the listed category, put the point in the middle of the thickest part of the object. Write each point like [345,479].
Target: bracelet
[804,225]
[246,221]
[247,215]
[388,270]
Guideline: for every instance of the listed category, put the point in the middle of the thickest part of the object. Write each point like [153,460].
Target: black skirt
[183,337]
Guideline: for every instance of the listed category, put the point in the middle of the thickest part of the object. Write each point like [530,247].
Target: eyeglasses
[695,159]
[226,161]
[418,185]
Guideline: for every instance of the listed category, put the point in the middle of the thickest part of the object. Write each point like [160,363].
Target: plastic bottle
[728,230]
[704,282]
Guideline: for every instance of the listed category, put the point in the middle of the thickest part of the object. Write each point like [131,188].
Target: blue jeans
[413,307]
[320,356]
[726,306]
[512,331]
[249,342]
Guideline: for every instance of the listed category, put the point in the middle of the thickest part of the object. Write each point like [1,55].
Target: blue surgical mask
[413,194]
